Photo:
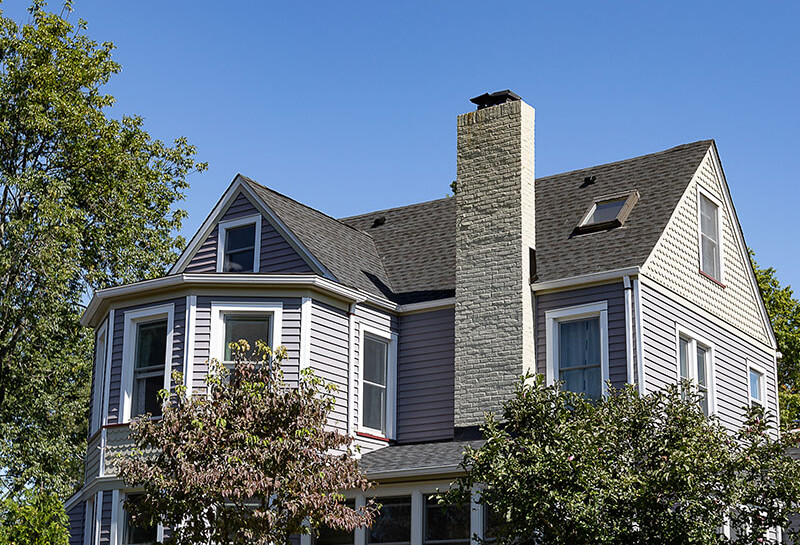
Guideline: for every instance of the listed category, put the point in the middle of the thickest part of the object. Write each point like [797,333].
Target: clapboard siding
[329,354]
[425,376]
[76,523]
[614,295]
[179,327]
[277,255]
[105,517]
[662,314]
[290,335]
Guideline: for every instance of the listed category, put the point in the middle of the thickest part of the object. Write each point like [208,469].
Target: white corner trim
[132,318]
[106,392]
[391,379]
[222,233]
[628,289]
[220,308]
[589,310]
[640,353]
[98,376]
[593,278]
[116,527]
[696,339]
[306,309]
[189,333]
[351,369]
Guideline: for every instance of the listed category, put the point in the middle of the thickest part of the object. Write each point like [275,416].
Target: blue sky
[351,106]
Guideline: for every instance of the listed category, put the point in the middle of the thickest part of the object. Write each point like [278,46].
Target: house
[633,272]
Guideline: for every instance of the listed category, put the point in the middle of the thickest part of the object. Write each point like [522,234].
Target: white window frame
[760,370]
[552,319]
[702,192]
[98,377]
[391,381]
[224,226]
[711,372]
[132,319]
[221,308]
[119,518]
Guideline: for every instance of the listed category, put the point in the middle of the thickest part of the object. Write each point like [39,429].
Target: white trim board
[306,311]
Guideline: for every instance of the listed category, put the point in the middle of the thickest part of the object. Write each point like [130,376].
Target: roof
[421,458]
[407,254]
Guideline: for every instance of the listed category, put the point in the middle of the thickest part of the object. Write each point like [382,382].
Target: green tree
[252,462]
[86,201]
[632,469]
[34,517]
[784,313]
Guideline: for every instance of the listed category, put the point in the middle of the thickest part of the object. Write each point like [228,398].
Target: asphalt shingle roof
[408,253]
[420,456]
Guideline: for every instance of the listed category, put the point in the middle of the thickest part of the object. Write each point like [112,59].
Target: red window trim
[717,282]
[370,436]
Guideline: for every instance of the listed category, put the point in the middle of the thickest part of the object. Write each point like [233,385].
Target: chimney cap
[493,99]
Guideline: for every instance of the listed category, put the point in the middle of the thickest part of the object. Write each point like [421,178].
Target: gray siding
[277,255]
[76,523]
[425,376]
[330,354]
[179,325]
[614,295]
[105,517]
[661,315]
[290,335]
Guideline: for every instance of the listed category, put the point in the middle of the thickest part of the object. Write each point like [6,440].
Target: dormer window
[710,248]
[607,213]
[239,245]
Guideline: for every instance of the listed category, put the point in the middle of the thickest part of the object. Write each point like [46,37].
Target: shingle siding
[614,295]
[425,376]
[277,255]
[662,314]
[675,260]
[330,354]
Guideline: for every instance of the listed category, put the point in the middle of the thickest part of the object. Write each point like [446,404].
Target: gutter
[415,472]
[583,279]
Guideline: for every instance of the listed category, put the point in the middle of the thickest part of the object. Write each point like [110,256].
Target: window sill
[717,282]
[372,436]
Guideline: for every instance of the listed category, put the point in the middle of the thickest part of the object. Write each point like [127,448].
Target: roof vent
[380,220]
[494,99]
[589,180]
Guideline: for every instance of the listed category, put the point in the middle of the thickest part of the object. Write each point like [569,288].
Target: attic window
[239,245]
[607,213]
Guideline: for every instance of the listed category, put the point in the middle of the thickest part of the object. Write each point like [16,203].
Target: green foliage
[559,469]
[784,314]
[86,201]
[33,518]
[251,462]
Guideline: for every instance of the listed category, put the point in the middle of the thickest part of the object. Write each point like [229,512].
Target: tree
[784,314]
[252,462]
[35,517]
[633,469]
[86,201]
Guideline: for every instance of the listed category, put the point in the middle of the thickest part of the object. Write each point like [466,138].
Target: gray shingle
[422,456]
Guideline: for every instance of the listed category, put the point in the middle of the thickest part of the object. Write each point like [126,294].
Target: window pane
[446,523]
[239,261]
[138,535]
[375,352]
[710,257]
[583,381]
[240,237]
[393,523]
[145,395]
[327,536]
[249,328]
[579,343]
[605,211]
[702,357]
[374,407]
[151,344]
[708,218]
[755,385]
[684,358]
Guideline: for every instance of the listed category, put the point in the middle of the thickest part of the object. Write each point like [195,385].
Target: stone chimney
[495,241]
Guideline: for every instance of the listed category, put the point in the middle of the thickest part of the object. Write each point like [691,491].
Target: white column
[417,518]
[361,532]
[476,517]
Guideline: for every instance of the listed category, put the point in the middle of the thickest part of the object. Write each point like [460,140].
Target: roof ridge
[392,209]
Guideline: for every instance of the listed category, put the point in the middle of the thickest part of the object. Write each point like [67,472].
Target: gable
[675,260]
[277,255]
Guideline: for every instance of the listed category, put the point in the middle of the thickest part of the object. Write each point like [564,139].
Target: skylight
[607,213]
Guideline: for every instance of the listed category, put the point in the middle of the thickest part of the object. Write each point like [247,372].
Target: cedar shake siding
[330,354]
[277,255]
[425,376]
[662,314]
[614,295]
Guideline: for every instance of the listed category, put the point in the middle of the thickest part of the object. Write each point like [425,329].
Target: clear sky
[351,106]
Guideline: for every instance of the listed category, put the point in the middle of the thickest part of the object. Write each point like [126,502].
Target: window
[710,257]
[148,373]
[577,348]
[376,360]
[695,365]
[250,327]
[607,213]
[239,245]
[446,524]
[133,534]
[327,536]
[392,525]
[757,385]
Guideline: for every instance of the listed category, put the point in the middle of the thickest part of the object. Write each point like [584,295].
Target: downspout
[626,283]
[637,298]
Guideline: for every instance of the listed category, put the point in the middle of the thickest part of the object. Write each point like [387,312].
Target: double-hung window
[577,348]
[239,245]
[695,364]
[756,382]
[248,327]
[710,242]
[377,379]
[232,321]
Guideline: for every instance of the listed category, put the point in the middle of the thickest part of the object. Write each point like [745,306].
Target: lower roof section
[417,460]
